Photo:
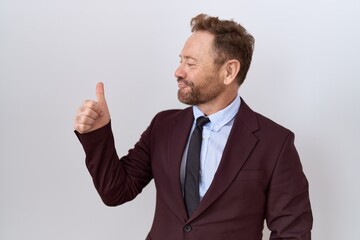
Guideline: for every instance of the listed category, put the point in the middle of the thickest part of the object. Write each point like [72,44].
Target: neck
[217,104]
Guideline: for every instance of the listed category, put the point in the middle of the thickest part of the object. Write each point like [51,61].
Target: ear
[232,68]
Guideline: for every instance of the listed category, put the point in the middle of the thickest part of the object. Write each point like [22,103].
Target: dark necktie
[191,191]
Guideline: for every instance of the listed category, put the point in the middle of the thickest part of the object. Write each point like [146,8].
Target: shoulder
[267,123]
[172,114]
[261,124]
[167,119]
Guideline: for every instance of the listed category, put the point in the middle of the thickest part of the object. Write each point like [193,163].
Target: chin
[183,98]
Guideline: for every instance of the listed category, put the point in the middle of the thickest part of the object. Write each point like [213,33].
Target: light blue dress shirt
[215,135]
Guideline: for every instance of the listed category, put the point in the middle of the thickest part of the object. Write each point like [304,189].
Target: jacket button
[187,228]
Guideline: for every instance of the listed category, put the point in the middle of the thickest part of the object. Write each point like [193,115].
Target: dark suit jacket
[259,177]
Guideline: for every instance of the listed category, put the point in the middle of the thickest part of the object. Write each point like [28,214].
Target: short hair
[232,41]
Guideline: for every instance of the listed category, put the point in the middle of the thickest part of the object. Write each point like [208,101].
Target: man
[247,169]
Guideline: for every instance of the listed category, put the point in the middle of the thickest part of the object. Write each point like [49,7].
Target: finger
[100,94]
[89,112]
[84,119]
[93,106]
[82,128]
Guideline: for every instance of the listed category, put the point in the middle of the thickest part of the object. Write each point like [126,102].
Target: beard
[201,93]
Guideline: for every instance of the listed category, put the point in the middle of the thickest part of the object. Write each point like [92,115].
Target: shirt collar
[222,117]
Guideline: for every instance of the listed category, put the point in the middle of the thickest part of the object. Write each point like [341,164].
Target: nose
[179,72]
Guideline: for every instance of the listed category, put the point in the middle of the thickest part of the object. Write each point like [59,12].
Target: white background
[304,75]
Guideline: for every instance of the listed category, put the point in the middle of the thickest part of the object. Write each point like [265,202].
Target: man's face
[197,75]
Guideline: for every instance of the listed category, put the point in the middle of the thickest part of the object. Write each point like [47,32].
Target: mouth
[182,84]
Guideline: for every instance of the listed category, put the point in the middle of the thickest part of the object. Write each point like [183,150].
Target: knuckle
[79,118]
[83,119]
[81,128]
[86,112]
[90,103]
[78,127]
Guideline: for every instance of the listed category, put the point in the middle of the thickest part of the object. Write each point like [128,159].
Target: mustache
[184,81]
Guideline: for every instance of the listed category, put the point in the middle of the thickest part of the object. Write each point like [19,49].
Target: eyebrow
[188,57]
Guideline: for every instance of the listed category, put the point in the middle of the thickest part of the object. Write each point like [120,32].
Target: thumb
[100,94]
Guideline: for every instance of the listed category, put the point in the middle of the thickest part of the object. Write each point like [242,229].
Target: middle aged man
[219,168]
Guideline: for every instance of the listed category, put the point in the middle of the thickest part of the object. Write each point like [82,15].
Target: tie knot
[201,121]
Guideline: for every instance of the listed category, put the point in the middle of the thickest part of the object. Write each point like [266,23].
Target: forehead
[198,45]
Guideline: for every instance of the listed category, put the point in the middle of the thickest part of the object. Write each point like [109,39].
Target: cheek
[211,80]
[202,77]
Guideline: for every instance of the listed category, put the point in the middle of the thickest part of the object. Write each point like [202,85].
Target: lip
[182,84]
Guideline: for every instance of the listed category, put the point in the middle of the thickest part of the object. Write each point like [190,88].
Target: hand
[93,115]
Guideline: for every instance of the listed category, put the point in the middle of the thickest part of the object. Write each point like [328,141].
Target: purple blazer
[259,177]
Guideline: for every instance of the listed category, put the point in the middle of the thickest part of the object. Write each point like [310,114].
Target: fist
[93,115]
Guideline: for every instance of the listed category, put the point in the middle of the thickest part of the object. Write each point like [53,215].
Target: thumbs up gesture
[93,115]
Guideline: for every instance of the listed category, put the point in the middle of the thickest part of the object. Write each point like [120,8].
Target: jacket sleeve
[288,210]
[116,180]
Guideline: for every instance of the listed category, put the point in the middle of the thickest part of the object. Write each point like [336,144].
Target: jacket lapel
[178,138]
[240,143]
